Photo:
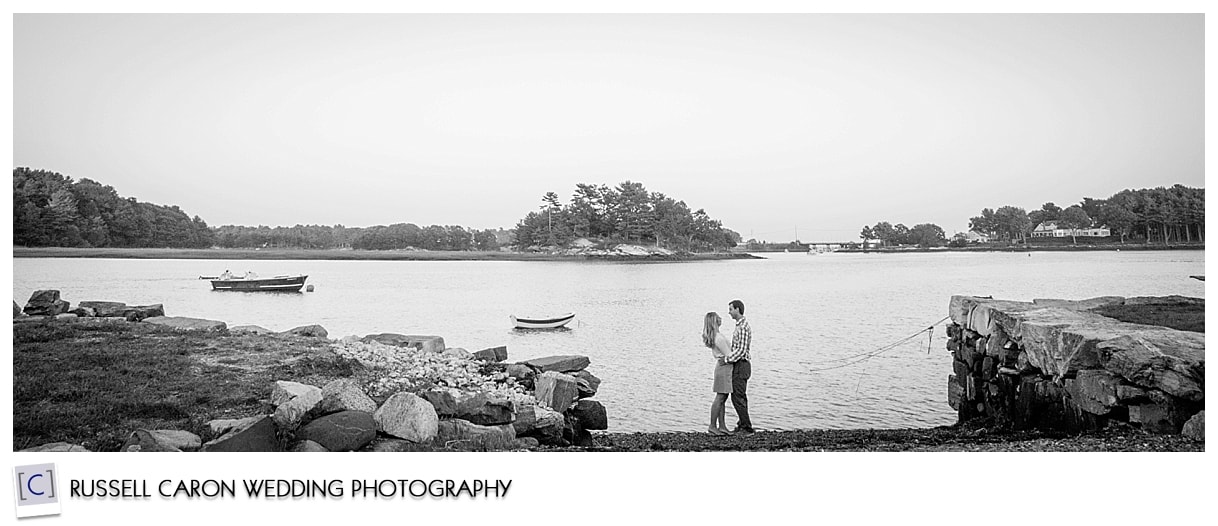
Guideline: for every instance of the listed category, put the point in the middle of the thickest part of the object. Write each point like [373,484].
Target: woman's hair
[708,331]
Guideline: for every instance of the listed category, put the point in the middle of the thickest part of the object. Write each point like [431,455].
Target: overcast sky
[824,123]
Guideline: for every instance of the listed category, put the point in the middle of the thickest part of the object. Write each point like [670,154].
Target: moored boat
[251,282]
[543,323]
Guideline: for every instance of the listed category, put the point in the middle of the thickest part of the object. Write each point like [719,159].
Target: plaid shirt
[742,339]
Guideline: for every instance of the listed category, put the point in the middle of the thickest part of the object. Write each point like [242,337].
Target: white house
[973,236]
[1050,229]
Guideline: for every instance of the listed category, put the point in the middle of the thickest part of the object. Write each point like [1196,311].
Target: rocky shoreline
[250,389]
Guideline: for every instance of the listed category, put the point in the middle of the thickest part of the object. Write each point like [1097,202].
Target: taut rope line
[862,357]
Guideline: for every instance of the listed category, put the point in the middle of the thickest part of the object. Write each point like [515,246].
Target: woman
[719,346]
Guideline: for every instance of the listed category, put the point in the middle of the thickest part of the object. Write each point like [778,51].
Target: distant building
[1050,229]
[976,237]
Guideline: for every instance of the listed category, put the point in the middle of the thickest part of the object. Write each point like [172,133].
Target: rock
[56,447]
[521,372]
[405,415]
[249,329]
[526,418]
[252,435]
[590,414]
[547,426]
[463,435]
[1172,361]
[527,443]
[45,303]
[955,392]
[221,426]
[423,343]
[308,331]
[1094,391]
[292,402]
[479,408]
[66,316]
[187,324]
[84,312]
[555,390]
[105,308]
[458,353]
[493,354]
[560,364]
[396,445]
[345,395]
[16,310]
[1195,427]
[586,383]
[161,440]
[142,312]
[344,431]
[308,446]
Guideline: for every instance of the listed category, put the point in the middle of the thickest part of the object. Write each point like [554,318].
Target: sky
[778,125]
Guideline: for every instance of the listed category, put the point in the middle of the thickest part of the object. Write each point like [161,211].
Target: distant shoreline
[345,255]
[1034,248]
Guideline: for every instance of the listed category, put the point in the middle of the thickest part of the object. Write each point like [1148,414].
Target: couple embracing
[732,369]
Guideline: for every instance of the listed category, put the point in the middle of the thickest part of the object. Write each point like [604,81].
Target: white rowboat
[542,323]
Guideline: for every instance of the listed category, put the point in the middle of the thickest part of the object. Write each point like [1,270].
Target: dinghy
[542,323]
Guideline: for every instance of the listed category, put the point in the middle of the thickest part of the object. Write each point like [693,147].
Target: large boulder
[586,383]
[547,426]
[345,431]
[142,312]
[1172,361]
[345,395]
[292,401]
[422,343]
[249,329]
[46,303]
[56,447]
[187,324]
[493,354]
[105,308]
[17,310]
[405,415]
[463,435]
[476,407]
[559,364]
[145,440]
[590,414]
[1195,427]
[555,390]
[308,331]
[253,434]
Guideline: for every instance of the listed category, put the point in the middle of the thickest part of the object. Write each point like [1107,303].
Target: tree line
[50,209]
[400,236]
[627,213]
[1149,215]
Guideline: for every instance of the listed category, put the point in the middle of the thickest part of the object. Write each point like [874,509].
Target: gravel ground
[954,438]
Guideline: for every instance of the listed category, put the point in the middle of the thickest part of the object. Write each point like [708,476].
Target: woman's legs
[718,412]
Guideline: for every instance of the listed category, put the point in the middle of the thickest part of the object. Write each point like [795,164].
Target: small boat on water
[251,282]
[543,323]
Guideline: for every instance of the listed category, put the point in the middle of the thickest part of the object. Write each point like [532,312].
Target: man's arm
[741,338]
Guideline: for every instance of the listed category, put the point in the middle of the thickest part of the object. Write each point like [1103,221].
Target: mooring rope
[864,356]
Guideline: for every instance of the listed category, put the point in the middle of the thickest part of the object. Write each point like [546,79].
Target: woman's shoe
[715,431]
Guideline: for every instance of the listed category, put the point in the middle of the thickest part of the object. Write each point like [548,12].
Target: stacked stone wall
[1056,364]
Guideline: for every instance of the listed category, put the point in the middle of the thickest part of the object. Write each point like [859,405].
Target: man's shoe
[743,431]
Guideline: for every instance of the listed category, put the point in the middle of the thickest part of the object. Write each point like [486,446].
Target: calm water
[641,323]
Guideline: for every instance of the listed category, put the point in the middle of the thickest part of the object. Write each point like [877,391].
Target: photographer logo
[36,490]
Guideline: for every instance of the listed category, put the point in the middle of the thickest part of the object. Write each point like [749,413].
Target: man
[742,339]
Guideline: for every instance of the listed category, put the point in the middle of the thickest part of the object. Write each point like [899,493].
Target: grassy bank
[336,255]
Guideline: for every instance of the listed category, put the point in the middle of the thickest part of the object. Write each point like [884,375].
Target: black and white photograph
[651,251]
